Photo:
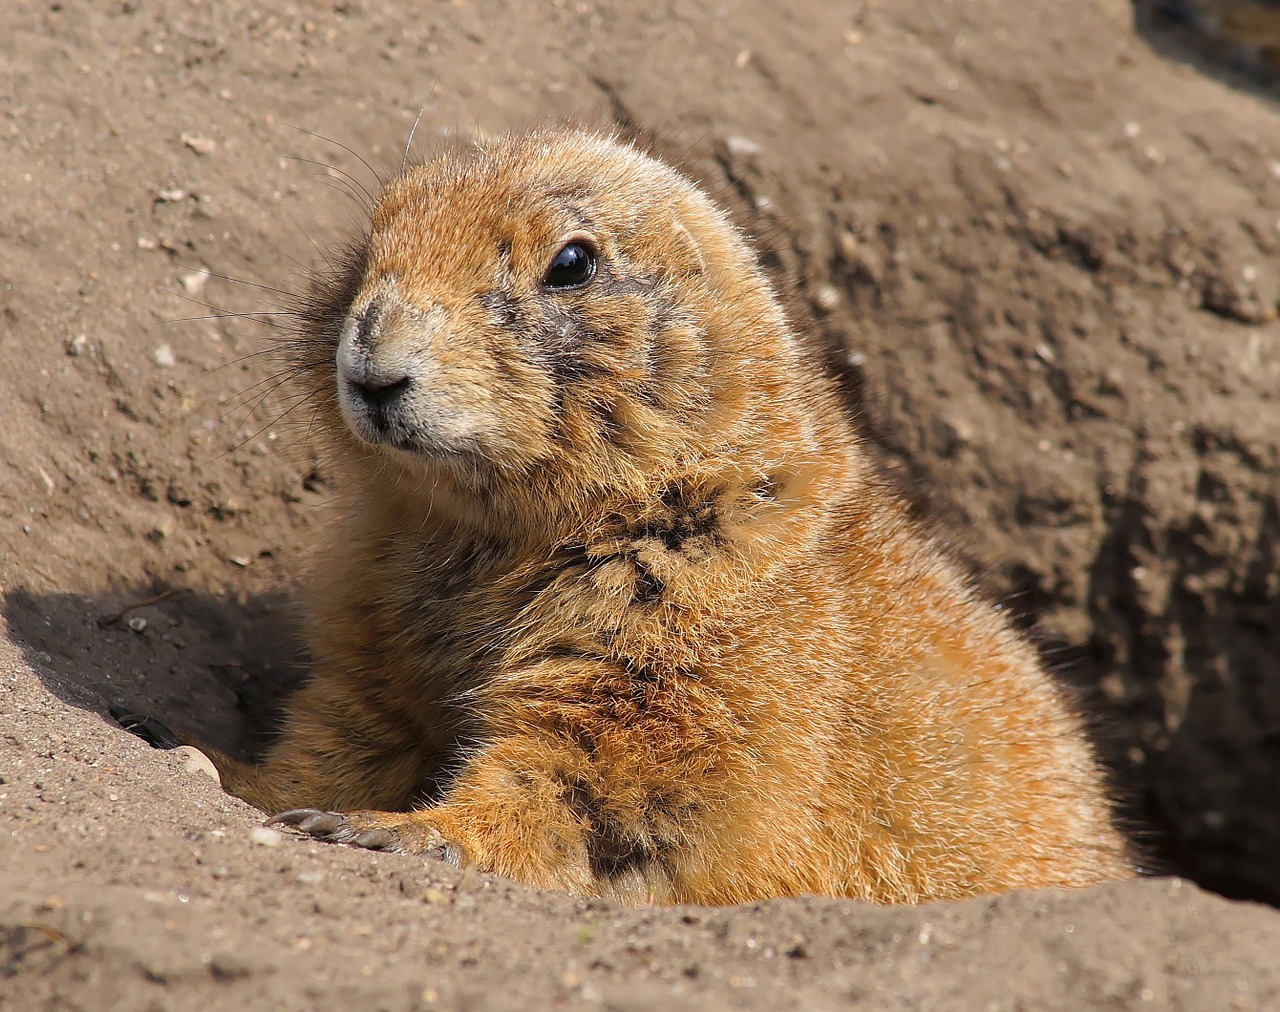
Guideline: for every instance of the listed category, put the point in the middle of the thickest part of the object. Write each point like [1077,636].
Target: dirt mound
[1043,255]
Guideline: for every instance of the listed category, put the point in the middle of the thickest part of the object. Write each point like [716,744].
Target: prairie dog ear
[686,257]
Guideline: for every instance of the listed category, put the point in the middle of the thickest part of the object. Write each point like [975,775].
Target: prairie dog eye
[572,267]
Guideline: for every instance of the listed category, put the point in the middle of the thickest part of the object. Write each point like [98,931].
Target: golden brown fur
[623,611]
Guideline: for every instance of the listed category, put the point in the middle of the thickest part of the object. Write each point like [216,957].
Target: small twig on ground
[114,617]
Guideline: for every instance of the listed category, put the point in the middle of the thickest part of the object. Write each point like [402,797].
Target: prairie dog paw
[399,832]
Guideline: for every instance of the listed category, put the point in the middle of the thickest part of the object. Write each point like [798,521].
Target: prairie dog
[614,602]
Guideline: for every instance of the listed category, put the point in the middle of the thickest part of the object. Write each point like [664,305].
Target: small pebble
[164,356]
[195,761]
[193,281]
[264,836]
[198,143]
[437,897]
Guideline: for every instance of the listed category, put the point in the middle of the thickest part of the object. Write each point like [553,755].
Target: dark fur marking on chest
[688,520]
[638,674]
[649,588]
[571,561]
[688,516]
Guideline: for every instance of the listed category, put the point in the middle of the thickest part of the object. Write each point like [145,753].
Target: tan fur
[627,613]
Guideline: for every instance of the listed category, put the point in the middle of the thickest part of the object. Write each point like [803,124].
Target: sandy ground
[1040,245]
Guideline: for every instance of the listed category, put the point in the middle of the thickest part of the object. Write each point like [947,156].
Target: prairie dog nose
[381,394]
[378,357]
[374,379]
[375,359]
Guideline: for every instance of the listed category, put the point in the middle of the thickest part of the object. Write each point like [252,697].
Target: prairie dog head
[552,306]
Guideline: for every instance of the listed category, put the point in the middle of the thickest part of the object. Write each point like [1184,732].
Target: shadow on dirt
[216,667]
